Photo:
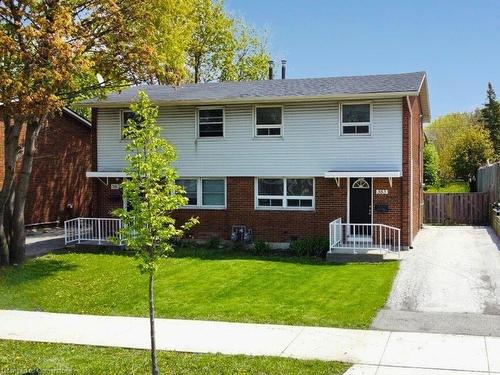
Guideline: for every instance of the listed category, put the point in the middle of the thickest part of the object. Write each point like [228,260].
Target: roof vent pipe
[283,69]
[271,68]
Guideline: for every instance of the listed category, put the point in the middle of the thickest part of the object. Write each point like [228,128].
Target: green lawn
[450,187]
[201,284]
[20,357]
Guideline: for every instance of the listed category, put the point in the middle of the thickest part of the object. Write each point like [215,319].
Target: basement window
[355,119]
[268,121]
[285,193]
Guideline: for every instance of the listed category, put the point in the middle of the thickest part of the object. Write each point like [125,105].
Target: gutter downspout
[410,145]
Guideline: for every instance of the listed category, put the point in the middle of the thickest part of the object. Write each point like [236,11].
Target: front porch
[353,241]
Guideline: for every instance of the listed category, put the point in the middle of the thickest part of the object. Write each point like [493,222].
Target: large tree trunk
[154,361]
[18,226]
[12,131]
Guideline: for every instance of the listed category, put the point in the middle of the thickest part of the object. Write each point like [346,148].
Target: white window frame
[283,197]
[198,109]
[122,112]
[199,193]
[342,124]
[269,126]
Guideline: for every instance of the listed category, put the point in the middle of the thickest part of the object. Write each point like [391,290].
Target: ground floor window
[284,193]
[204,192]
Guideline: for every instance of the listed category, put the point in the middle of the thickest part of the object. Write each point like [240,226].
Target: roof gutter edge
[121,104]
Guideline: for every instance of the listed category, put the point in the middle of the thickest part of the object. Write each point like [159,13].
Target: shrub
[238,247]
[213,242]
[261,247]
[310,246]
[431,166]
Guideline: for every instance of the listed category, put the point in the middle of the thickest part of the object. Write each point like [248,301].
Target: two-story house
[284,158]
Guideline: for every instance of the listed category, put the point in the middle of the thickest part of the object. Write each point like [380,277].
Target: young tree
[471,149]
[50,52]
[152,195]
[491,117]
[431,160]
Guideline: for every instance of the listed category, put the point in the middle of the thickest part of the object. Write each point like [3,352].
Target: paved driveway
[452,270]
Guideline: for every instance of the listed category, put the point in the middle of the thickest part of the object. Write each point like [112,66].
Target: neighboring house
[58,188]
[282,157]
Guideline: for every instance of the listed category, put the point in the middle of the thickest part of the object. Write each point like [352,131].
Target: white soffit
[106,174]
[345,174]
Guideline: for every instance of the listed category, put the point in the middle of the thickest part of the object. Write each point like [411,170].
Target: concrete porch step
[345,255]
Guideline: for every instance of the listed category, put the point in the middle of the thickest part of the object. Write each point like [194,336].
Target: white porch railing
[94,230]
[361,238]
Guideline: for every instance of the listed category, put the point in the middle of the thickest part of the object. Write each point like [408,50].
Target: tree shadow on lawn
[32,270]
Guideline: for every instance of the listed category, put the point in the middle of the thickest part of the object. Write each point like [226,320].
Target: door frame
[349,199]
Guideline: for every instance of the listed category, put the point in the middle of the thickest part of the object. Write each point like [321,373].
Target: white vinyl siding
[311,143]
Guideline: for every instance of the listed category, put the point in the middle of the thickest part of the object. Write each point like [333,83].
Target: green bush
[310,246]
[261,247]
[213,243]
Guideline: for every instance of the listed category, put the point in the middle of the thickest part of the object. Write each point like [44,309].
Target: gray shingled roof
[268,89]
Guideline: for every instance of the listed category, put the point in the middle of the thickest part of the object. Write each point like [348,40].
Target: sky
[457,42]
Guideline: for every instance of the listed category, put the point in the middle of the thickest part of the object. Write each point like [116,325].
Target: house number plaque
[382,192]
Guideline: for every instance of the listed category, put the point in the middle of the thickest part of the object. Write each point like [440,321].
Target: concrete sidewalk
[380,352]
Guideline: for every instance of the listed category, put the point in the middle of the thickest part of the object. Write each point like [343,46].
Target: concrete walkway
[449,283]
[380,352]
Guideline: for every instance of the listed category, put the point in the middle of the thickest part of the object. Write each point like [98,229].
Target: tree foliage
[222,47]
[491,117]
[54,52]
[50,52]
[431,165]
[152,195]
[443,133]
[471,148]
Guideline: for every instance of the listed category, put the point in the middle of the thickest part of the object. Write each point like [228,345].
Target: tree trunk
[154,361]
[472,184]
[17,245]
[12,131]
[197,66]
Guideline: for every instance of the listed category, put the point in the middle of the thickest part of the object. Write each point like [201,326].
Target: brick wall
[58,176]
[272,226]
[412,169]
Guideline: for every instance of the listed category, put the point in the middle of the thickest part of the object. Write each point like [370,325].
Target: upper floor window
[285,193]
[269,121]
[125,116]
[355,118]
[210,122]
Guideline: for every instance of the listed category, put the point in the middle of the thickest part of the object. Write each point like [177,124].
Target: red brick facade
[58,187]
[330,200]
